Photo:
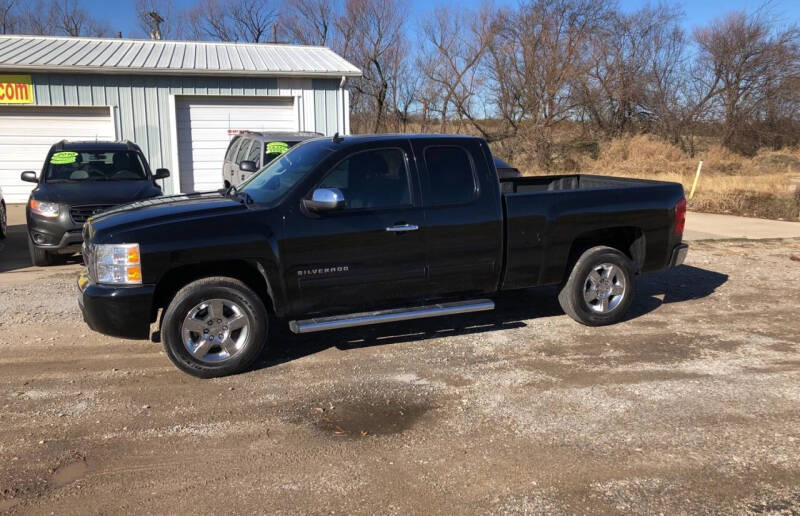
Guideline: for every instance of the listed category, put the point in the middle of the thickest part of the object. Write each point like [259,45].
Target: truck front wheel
[600,288]
[214,327]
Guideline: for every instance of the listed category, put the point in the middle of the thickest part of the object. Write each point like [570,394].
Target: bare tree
[538,58]
[754,63]
[624,54]
[455,42]
[373,36]
[231,20]
[74,20]
[310,22]
[8,16]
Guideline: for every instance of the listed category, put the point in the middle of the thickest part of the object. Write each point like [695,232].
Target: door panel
[366,255]
[463,218]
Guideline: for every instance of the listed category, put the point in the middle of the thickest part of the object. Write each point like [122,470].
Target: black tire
[582,284]
[39,256]
[231,291]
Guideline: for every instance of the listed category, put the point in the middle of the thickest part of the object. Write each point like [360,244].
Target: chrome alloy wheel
[215,330]
[604,288]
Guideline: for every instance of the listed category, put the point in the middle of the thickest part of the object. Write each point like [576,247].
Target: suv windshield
[95,166]
[276,178]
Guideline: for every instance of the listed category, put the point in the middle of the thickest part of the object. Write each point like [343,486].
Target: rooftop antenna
[157,21]
[337,138]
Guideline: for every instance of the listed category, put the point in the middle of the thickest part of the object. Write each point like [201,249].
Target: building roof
[146,57]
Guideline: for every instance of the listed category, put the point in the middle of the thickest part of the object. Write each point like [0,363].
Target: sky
[121,14]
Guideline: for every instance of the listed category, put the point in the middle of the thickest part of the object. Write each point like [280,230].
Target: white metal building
[180,101]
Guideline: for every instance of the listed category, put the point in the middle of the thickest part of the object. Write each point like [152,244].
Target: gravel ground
[691,406]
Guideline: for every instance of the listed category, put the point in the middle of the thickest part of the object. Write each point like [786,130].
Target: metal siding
[325,112]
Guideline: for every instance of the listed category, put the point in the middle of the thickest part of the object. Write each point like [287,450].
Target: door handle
[398,228]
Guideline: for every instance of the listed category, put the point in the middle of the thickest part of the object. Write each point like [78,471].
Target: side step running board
[385,316]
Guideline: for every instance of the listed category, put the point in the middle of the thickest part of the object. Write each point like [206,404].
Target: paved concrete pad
[708,226]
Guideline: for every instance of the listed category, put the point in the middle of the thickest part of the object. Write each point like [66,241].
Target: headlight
[44,209]
[118,264]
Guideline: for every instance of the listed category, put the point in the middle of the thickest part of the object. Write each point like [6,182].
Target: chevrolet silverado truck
[360,230]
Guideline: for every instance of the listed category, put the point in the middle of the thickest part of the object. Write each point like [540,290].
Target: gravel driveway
[692,405]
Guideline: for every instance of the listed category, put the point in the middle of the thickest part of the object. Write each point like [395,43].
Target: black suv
[80,179]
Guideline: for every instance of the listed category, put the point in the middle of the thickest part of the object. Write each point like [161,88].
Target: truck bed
[546,215]
[568,182]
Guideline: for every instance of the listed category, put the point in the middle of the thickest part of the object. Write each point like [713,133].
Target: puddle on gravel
[363,419]
[69,473]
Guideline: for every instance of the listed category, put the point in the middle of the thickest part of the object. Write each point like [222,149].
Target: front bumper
[57,234]
[678,255]
[117,311]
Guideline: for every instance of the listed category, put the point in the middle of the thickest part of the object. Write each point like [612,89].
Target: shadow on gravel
[683,283]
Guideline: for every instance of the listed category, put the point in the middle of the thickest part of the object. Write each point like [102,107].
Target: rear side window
[242,154]
[232,148]
[371,180]
[450,175]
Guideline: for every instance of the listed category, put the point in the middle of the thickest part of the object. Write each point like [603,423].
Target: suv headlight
[117,264]
[44,209]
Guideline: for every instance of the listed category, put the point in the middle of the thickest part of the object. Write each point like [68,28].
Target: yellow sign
[16,89]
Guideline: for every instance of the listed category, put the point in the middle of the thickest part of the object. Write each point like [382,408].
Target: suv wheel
[214,327]
[600,288]
[40,257]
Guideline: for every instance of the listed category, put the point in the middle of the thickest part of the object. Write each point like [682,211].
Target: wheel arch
[250,272]
[629,240]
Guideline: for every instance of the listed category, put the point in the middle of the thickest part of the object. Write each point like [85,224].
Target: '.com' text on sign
[16,89]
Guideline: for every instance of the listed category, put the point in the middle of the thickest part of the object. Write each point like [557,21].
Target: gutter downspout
[342,93]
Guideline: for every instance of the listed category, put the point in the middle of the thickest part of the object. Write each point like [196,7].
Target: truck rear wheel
[600,288]
[214,327]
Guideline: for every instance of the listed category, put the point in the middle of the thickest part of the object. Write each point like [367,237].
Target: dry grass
[761,186]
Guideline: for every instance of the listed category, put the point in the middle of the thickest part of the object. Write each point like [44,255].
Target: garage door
[205,125]
[27,132]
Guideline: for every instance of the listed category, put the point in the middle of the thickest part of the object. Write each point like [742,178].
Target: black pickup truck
[360,230]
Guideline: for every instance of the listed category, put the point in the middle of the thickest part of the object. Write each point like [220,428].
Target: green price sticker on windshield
[277,147]
[63,158]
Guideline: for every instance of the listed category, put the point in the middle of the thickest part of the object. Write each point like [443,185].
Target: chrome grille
[80,214]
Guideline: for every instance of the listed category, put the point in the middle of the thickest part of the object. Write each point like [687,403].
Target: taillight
[680,217]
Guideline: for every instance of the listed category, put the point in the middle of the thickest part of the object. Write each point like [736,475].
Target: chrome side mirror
[29,177]
[325,199]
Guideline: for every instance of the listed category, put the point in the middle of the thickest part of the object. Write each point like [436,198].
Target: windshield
[95,166]
[276,178]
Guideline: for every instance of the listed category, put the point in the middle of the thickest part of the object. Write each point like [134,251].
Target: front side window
[95,166]
[276,178]
[371,180]
[450,175]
